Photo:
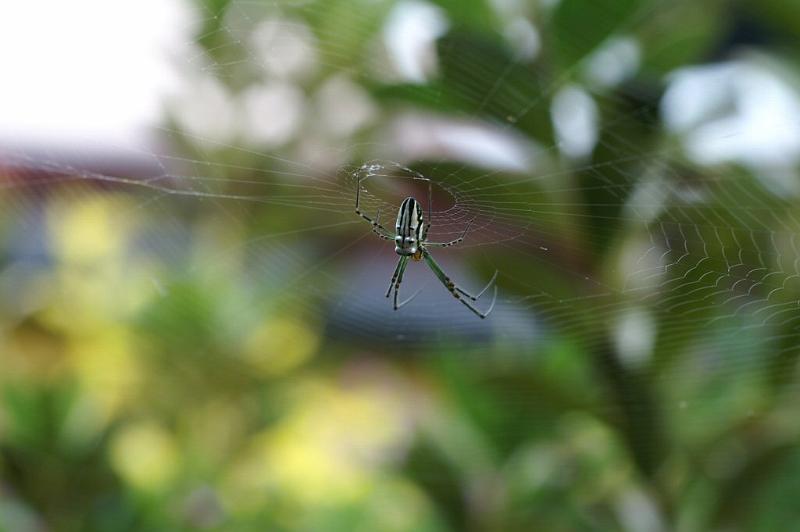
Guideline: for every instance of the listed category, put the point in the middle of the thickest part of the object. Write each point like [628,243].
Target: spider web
[703,254]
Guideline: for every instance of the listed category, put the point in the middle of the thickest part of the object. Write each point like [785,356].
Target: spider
[410,238]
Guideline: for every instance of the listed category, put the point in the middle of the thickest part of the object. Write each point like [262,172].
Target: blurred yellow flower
[327,451]
[89,230]
[107,369]
[145,456]
[96,281]
[280,345]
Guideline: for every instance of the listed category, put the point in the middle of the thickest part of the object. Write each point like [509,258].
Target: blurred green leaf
[781,14]
[481,74]
[691,37]
[476,15]
[345,28]
[579,26]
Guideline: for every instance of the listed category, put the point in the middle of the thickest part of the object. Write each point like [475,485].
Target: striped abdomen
[408,227]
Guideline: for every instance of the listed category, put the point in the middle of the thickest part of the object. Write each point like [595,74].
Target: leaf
[473,14]
[692,34]
[481,73]
[782,14]
[581,25]
[346,29]
[431,96]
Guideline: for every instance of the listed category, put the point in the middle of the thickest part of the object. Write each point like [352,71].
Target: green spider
[410,238]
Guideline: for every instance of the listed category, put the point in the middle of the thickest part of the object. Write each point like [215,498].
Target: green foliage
[579,26]
[199,384]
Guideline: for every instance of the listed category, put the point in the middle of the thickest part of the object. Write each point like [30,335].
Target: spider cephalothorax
[411,241]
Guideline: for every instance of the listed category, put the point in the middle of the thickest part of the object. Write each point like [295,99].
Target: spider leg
[400,263]
[455,291]
[408,300]
[397,278]
[381,235]
[452,242]
[376,226]
[479,294]
[430,210]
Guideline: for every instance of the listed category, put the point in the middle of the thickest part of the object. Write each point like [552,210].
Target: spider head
[405,246]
